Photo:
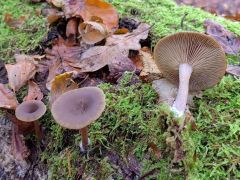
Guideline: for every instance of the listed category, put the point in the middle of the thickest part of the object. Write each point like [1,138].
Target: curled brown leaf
[14,23]
[20,73]
[8,98]
[34,92]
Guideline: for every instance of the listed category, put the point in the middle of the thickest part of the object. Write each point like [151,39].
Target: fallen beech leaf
[88,8]
[8,99]
[120,65]
[121,31]
[52,15]
[3,73]
[229,41]
[20,73]
[34,92]
[167,92]
[116,46]
[57,3]
[14,23]
[150,70]
[18,147]
[92,32]
[72,28]
[155,150]
[61,84]
[31,58]
[234,70]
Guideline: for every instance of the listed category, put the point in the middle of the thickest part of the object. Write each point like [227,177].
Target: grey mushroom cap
[202,52]
[77,108]
[29,111]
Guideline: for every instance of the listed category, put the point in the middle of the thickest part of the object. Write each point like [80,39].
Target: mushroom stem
[179,105]
[38,130]
[84,133]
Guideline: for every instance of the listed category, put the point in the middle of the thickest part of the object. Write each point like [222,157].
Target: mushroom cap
[77,108]
[201,51]
[29,111]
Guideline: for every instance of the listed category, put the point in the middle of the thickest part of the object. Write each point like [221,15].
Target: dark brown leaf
[229,41]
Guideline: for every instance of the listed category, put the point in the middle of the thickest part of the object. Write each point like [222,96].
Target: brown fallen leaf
[52,14]
[88,8]
[18,147]
[116,46]
[34,92]
[14,23]
[121,31]
[72,29]
[31,58]
[8,98]
[119,66]
[234,70]
[61,84]
[92,32]
[3,73]
[150,70]
[57,3]
[20,73]
[155,150]
[229,41]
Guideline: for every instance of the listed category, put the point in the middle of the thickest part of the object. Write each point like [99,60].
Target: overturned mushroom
[191,60]
[30,111]
[77,108]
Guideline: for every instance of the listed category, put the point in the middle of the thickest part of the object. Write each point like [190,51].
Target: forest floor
[129,140]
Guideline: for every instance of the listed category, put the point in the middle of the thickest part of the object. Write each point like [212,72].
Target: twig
[183,19]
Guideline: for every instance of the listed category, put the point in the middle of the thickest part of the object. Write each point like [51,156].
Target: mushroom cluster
[76,109]
[191,60]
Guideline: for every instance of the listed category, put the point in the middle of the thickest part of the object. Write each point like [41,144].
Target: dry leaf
[121,31]
[3,73]
[92,32]
[14,23]
[167,92]
[57,3]
[229,41]
[116,46]
[20,73]
[61,84]
[8,99]
[234,70]
[155,150]
[88,8]
[31,58]
[34,92]
[18,147]
[120,65]
[52,14]
[72,28]
[150,70]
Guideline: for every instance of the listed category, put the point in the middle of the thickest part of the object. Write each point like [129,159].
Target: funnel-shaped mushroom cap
[202,52]
[77,108]
[30,110]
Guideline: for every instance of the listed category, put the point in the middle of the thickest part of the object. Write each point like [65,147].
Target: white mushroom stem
[179,105]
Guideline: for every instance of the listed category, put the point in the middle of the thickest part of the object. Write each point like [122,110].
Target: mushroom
[30,111]
[77,108]
[191,60]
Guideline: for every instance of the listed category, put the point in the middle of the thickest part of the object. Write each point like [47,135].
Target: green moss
[26,37]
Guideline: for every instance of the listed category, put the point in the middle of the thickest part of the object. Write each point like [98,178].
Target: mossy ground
[132,118]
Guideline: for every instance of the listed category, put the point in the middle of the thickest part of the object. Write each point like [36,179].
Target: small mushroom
[191,60]
[30,111]
[77,108]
